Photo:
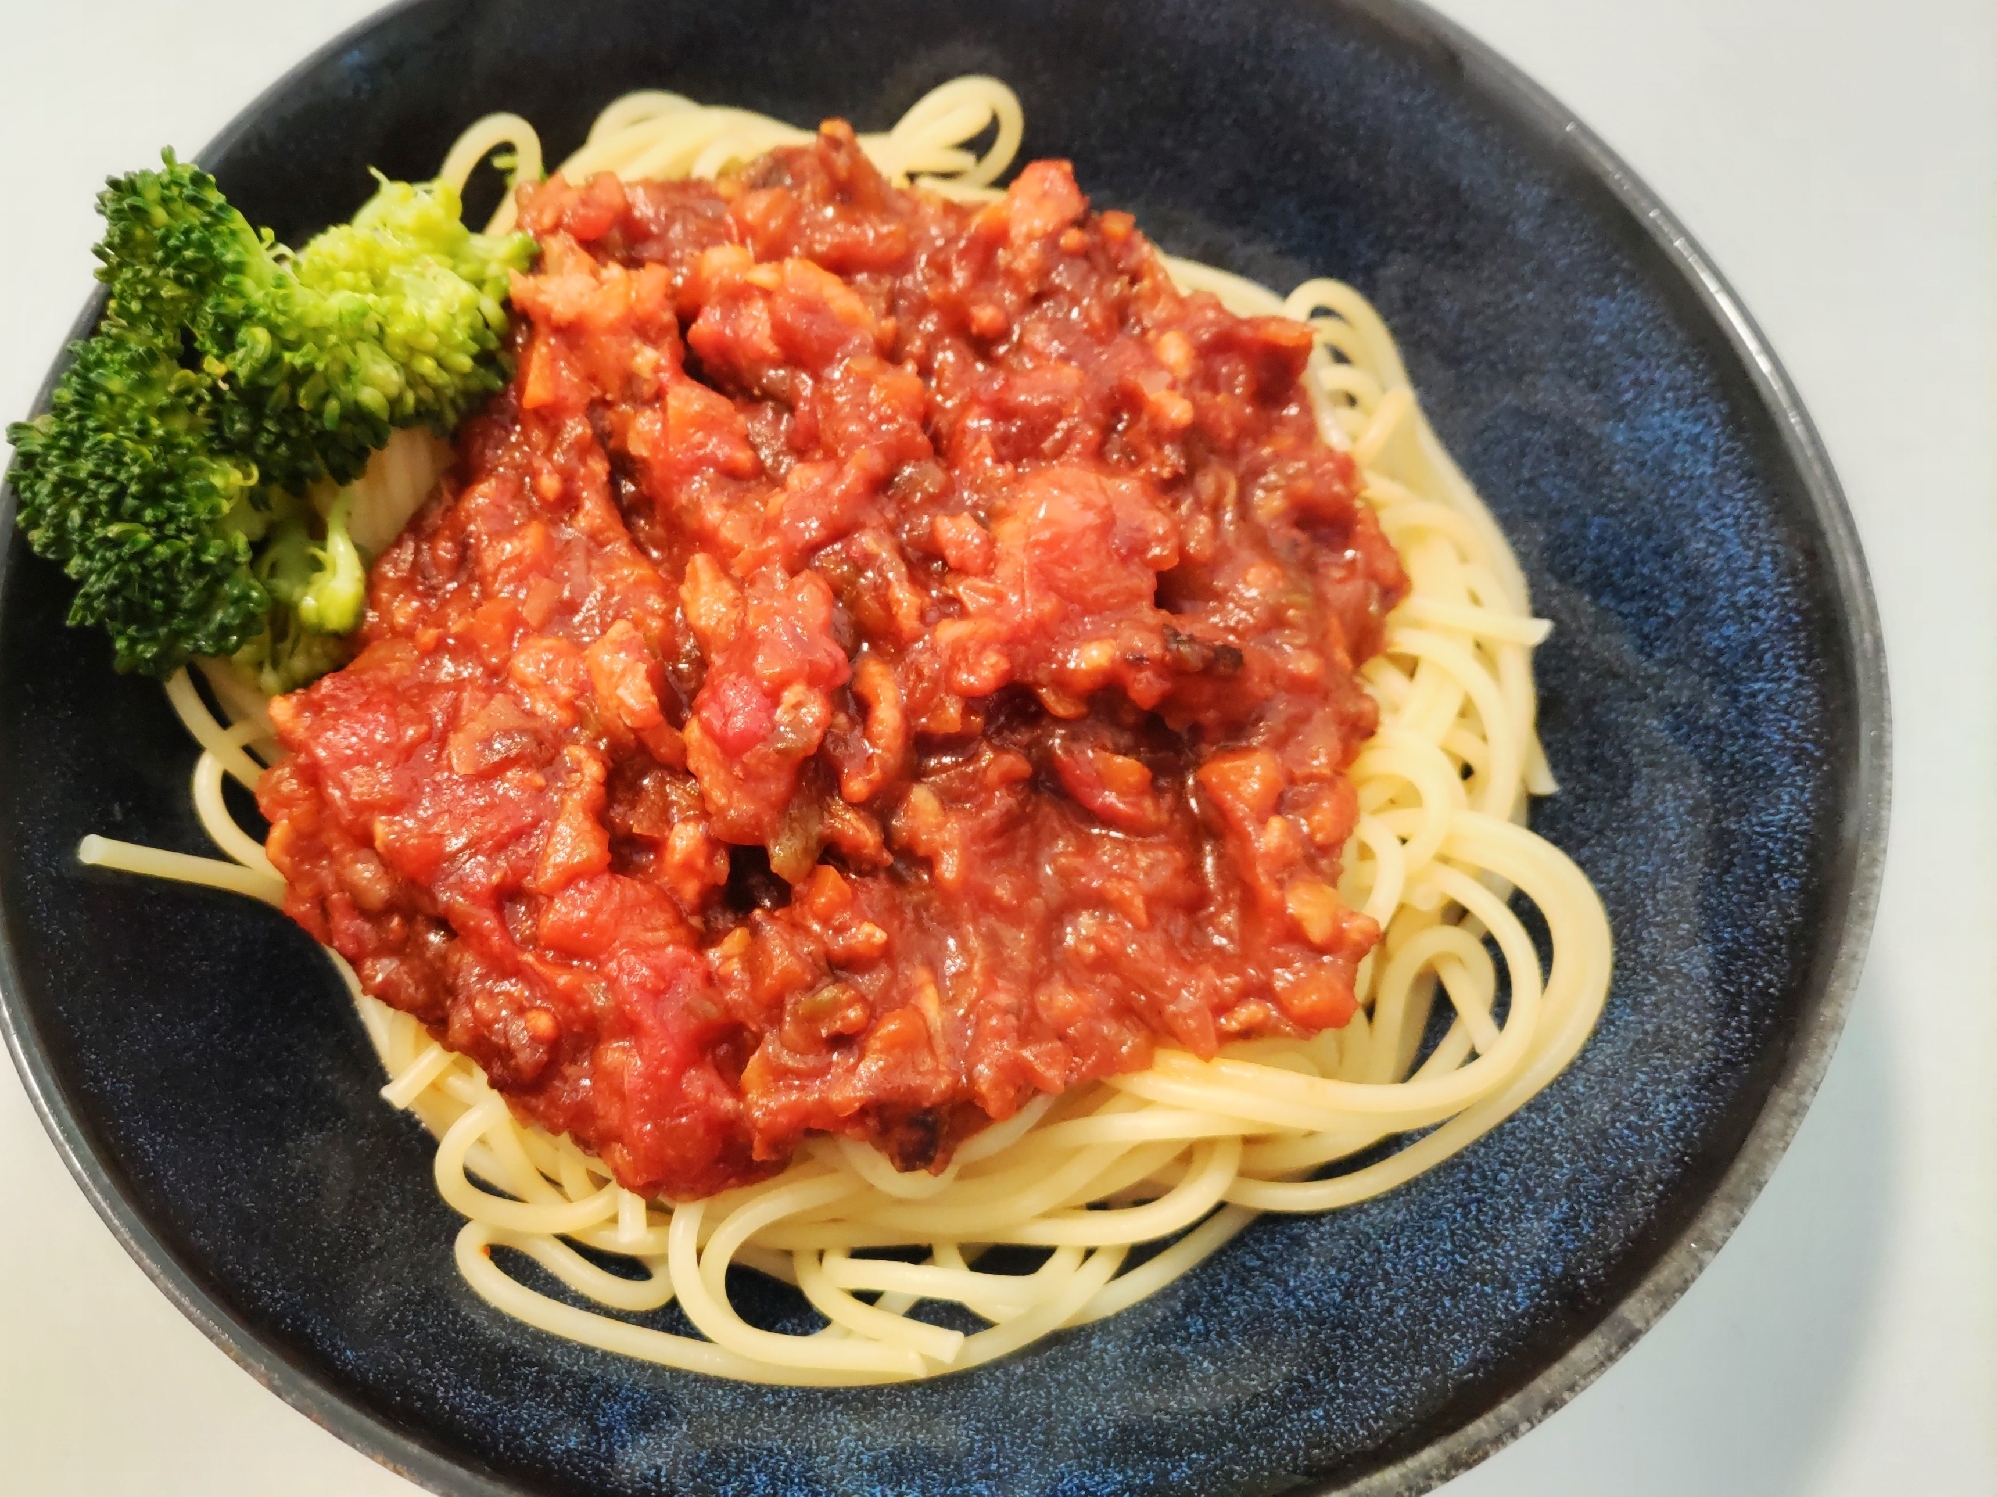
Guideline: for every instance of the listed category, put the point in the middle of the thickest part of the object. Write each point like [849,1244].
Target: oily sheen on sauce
[924,683]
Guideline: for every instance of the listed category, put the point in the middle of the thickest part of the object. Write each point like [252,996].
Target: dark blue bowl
[1715,706]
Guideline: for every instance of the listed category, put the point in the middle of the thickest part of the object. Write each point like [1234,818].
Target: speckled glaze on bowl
[1715,707]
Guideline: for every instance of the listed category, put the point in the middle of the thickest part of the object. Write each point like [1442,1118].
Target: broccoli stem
[336,597]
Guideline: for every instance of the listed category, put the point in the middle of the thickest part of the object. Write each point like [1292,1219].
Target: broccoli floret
[337,594]
[287,655]
[120,483]
[284,561]
[229,373]
[386,321]
[317,586]
[391,320]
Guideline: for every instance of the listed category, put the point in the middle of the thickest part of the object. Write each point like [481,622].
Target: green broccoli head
[174,252]
[120,483]
[228,373]
[392,320]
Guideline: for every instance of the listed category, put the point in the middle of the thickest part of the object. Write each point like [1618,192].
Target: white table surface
[1839,160]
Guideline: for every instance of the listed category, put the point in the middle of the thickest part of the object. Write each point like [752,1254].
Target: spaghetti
[1184,1153]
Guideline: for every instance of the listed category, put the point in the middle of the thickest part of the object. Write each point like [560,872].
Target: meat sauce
[880,660]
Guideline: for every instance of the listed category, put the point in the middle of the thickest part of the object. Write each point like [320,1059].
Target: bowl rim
[1852,896]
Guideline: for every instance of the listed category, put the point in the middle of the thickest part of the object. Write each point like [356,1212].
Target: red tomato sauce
[880,660]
